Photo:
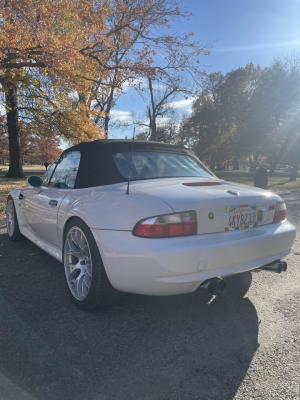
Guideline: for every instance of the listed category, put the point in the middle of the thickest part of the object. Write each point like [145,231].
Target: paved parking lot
[183,347]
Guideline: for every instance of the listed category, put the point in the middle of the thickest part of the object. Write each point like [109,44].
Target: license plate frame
[242,216]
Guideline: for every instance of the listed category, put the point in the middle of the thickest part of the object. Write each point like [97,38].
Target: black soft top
[97,166]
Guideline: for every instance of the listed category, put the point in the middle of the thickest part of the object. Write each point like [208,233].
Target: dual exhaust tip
[219,285]
[276,266]
[214,285]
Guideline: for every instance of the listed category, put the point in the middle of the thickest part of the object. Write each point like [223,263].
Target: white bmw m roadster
[174,228]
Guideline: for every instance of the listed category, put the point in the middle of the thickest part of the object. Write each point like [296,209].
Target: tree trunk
[106,122]
[108,109]
[252,164]
[294,172]
[236,164]
[152,113]
[273,164]
[153,130]
[15,168]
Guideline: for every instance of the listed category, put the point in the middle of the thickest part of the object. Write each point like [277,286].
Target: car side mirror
[35,181]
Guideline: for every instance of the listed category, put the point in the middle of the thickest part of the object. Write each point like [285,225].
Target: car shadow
[182,347]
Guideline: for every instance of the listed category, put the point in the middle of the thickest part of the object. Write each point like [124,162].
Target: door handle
[53,202]
[21,196]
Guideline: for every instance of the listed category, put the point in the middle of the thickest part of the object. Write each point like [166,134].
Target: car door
[41,205]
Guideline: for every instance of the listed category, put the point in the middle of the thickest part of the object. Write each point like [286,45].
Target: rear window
[149,165]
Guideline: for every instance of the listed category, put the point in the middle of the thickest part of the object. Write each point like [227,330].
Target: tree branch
[22,64]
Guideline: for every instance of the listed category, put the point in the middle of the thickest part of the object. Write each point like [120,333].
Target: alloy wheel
[10,218]
[78,263]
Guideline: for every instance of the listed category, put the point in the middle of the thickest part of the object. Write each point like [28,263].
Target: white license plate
[242,216]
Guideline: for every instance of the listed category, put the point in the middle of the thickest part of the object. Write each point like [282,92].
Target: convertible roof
[97,166]
[116,145]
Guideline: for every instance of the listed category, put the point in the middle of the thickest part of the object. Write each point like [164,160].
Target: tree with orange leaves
[44,149]
[46,38]
[65,53]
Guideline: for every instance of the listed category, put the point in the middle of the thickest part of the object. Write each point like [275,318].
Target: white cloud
[162,121]
[126,116]
[2,110]
[119,115]
[141,82]
[183,105]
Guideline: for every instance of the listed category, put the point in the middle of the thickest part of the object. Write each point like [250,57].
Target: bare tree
[167,128]
[162,92]
[141,47]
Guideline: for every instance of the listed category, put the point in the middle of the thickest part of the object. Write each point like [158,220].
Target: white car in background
[177,228]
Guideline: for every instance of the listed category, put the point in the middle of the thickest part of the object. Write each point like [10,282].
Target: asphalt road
[182,347]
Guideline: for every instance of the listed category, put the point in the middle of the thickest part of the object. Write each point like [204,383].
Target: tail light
[280,212]
[169,225]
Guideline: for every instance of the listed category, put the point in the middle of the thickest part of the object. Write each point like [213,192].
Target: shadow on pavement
[181,347]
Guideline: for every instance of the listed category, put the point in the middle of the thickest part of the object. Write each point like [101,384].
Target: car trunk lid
[217,203]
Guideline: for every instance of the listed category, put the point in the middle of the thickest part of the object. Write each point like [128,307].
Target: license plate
[242,216]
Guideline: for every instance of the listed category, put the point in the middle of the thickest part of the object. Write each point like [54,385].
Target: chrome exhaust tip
[284,266]
[274,267]
[210,286]
[221,285]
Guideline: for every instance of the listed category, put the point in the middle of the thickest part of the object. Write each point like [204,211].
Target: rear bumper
[179,265]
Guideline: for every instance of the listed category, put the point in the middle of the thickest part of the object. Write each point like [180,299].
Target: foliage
[249,112]
[42,62]
[147,54]
[34,148]
[63,63]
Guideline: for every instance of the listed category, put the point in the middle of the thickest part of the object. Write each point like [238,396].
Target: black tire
[16,235]
[101,292]
[238,285]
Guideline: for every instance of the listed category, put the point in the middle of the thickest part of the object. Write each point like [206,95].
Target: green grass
[277,182]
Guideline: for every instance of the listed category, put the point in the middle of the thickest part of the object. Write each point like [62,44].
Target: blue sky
[241,31]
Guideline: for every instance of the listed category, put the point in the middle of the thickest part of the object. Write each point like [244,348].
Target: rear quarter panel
[109,208]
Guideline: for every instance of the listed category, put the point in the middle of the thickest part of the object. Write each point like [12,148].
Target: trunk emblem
[211,215]
[233,192]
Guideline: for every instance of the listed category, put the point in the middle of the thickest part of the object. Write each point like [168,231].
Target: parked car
[175,228]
